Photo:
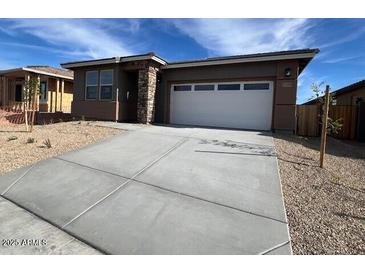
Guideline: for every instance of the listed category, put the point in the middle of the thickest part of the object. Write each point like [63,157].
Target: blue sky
[53,41]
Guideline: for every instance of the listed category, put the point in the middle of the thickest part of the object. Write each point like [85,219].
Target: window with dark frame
[256,86]
[222,86]
[91,85]
[106,85]
[229,86]
[203,87]
[182,88]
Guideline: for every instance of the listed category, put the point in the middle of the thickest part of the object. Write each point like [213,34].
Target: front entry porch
[120,92]
[55,93]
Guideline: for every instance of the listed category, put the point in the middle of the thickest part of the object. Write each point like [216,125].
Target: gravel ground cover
[325,207]
[19,148]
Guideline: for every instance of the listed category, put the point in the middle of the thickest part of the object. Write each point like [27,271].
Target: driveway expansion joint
[92,168]
[274,248]
[53,224]
[129,179]
[212,202]
[17,180]
[126,182]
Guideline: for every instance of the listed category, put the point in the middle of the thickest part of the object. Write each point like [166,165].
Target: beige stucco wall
[54,99]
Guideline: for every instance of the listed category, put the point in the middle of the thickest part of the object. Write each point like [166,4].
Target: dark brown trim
[255,55]
[273,104]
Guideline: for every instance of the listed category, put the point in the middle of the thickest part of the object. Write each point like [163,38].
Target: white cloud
[241,36]
[305,81]
[353,35]
[342,59]
[7,31]
[6,64]
[301,78]
[338,60]
[43,48]
[86,38]
[134,25]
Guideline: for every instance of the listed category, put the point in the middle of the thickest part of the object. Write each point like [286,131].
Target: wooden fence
[308,120]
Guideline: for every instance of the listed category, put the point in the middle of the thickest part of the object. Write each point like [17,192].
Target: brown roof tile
[58,71]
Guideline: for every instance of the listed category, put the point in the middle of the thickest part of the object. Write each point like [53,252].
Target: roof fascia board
[47,73]
[113,61]
[140,58]
[35,71]
[241,60]
[10,70]
[89,63]
[159,60]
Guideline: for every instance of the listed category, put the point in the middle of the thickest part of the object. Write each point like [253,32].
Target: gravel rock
[325,207]
[63,137]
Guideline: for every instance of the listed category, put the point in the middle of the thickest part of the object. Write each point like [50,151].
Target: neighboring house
[256,91]
[350,95]
[56,87]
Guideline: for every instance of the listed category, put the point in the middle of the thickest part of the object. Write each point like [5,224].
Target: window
[256,86]
[43,92]
[203,87]
[91,85]
[229,86]
[222,86]
[182,88]
[106,85]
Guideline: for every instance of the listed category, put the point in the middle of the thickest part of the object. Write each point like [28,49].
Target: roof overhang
[35,71]
[308,56]
[341,91]
[113,60]
[349,88]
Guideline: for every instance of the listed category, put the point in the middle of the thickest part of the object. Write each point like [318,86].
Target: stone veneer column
[147,81]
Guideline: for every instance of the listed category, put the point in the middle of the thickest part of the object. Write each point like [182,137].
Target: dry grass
[325,207]
[16,149]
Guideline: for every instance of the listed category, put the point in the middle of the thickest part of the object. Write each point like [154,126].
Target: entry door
[244,105]
[18,92]
[129,97]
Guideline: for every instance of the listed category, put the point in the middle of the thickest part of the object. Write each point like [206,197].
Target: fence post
[324,126]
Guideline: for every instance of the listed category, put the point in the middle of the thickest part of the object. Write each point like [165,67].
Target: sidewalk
[27,234]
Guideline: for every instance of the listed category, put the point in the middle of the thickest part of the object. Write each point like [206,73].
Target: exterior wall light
[287,72]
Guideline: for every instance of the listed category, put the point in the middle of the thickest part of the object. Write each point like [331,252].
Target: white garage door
[246,105]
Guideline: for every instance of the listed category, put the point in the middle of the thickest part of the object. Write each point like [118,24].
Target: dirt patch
[325,207]
[19,148]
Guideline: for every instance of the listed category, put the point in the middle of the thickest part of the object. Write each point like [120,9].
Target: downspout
[117,61]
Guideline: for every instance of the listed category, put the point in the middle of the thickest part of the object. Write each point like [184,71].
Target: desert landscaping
[20,148]
[325,207]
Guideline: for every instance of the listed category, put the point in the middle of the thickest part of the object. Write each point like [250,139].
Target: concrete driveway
[162,190]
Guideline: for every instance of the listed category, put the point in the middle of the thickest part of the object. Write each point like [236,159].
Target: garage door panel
[249,109]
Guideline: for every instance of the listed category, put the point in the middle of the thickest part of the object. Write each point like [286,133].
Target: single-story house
[255,91]
[350,95]
[56,87]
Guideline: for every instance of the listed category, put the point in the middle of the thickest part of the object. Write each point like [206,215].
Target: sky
[54,41]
